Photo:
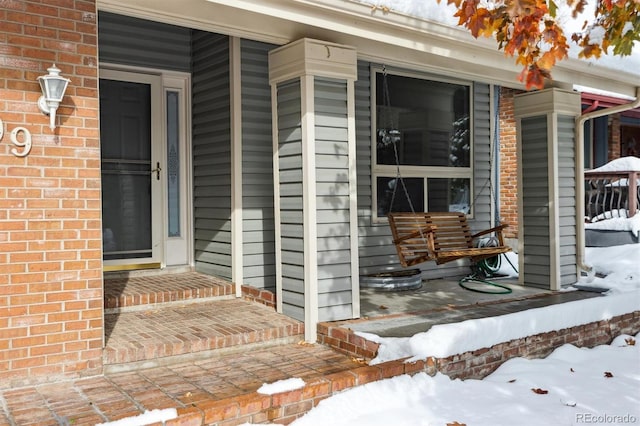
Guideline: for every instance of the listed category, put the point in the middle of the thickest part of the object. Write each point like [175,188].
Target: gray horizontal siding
[567,200]
[211,154]
[482,157]
[258,236]
[133,41]
[374,239]
[535,198]
[291,224]
[332,201]
[536,192]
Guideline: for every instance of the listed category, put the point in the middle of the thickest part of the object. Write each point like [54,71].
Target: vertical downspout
[580,120]
[497,90]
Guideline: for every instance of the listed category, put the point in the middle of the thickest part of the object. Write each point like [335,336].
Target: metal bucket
[409,279]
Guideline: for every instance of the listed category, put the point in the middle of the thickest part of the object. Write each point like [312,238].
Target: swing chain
[391,136]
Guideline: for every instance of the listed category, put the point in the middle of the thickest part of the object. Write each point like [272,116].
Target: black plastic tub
[608,238]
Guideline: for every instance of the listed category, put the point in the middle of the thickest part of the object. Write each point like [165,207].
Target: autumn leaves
[529,31]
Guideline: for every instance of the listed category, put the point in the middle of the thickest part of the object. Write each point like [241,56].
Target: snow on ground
[572,386]
[146,418]
[617,223]
[281,386]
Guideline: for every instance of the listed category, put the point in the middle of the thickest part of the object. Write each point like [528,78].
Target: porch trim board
[310,220]
[390,37]
[235,83]
[277,217]
[353,197]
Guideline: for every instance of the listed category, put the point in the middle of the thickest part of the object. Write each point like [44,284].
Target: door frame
[164,247]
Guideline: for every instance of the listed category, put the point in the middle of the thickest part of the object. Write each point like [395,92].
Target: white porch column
[548,252]
[312,84]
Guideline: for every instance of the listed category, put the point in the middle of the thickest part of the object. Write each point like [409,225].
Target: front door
[132,170]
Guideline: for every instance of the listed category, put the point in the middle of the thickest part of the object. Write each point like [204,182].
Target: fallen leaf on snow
[608,374]
[630,341]
[456,424]
[540,391]
[359,360]
[383,307]
[572,370]
[512,380]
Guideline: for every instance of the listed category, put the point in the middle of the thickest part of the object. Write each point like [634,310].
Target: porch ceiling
[392,38]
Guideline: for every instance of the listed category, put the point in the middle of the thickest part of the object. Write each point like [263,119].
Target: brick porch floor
[212,387]
[218,388]
[157,319]
[138,289]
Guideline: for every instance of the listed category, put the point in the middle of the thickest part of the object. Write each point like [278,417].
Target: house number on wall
[20,137]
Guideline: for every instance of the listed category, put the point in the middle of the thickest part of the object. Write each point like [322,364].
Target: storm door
[132,170]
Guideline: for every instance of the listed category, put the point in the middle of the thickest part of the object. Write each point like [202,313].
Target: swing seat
[440,236]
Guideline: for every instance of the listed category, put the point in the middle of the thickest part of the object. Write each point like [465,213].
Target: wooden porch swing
[441,236]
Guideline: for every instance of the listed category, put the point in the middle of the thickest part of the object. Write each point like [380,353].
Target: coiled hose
[487,268]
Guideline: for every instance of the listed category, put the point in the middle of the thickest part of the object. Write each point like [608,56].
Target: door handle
[157,170]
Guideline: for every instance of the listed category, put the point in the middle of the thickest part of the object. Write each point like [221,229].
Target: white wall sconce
[53,86]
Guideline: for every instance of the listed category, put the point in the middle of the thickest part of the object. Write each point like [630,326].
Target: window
[422,152]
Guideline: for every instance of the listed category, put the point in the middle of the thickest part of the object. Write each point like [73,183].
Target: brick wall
[482,362]
[508,164]
[50,211]
[615,141]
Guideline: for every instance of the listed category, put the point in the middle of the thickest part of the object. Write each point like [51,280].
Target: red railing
[608,194]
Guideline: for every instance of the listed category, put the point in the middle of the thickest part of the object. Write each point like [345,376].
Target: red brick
[215,411]
[341,381]
[189,416]
[316,388]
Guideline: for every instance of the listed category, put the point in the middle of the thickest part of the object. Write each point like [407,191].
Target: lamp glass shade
[53,85]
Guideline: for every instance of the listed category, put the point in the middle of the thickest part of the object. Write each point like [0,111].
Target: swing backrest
[451,230]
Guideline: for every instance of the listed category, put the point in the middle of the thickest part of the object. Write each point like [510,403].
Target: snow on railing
[611,194]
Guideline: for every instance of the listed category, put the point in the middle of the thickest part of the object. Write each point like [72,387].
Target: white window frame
[412,171]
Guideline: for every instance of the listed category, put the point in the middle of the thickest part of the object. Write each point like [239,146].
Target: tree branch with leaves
[530,31]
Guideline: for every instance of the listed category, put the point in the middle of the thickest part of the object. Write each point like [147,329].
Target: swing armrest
[422,231]
[498,229]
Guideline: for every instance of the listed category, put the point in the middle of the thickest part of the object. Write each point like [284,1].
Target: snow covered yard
[572,386]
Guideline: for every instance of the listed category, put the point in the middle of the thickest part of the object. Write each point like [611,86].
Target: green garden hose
[487,268]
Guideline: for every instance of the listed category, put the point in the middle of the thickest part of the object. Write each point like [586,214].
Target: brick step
[189,331]
[143,291]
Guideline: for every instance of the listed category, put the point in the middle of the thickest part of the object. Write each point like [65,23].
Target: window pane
[422,122]
[173,163]
[391,189]
[449,195]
